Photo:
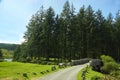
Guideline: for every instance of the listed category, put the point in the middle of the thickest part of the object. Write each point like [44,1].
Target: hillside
[8,46]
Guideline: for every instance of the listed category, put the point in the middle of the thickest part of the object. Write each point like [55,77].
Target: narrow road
[66,74]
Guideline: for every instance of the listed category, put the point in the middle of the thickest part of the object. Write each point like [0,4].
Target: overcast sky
[15,14]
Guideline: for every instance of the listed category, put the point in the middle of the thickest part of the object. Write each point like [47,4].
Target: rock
[96,64]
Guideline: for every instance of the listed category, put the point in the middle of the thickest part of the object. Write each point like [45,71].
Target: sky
[15,14]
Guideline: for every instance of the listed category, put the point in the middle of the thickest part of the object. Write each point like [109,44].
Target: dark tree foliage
[1,55]
[8,46]
[70,35]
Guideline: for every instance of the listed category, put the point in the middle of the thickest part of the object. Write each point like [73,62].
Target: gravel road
[65,74]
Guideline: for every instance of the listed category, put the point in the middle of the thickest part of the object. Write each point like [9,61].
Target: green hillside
[8,46]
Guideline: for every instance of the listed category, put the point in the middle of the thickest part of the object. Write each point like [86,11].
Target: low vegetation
[111,67]
[90,74]
[109,71]
[22,71]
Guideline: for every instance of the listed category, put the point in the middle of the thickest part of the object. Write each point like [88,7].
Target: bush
[109,64]
[109,67]
[107,59]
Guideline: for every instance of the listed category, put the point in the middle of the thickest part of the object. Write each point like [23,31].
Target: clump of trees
[1,55]
[70,35]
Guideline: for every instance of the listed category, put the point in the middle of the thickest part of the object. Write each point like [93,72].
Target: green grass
[15,70]
[89,75]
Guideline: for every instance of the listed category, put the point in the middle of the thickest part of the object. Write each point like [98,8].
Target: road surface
[65,74]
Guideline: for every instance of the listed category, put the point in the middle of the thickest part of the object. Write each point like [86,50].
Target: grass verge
[90,75]
[15,70]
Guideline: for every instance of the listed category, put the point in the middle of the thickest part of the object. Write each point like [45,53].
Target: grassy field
[89,75]
[15,70]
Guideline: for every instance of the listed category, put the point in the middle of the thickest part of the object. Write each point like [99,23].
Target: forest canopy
[70,35]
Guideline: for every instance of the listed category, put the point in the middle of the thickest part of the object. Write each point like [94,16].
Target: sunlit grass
[15,70]
[89,75]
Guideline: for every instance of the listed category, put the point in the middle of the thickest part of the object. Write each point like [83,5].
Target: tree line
[70,35]
[8,46]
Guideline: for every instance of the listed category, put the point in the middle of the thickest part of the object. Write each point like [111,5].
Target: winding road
[65,74]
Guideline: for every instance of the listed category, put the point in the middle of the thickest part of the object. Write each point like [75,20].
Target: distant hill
[8,46]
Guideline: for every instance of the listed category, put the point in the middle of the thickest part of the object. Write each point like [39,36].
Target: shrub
[109,64]
[109,67]
[107,59]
